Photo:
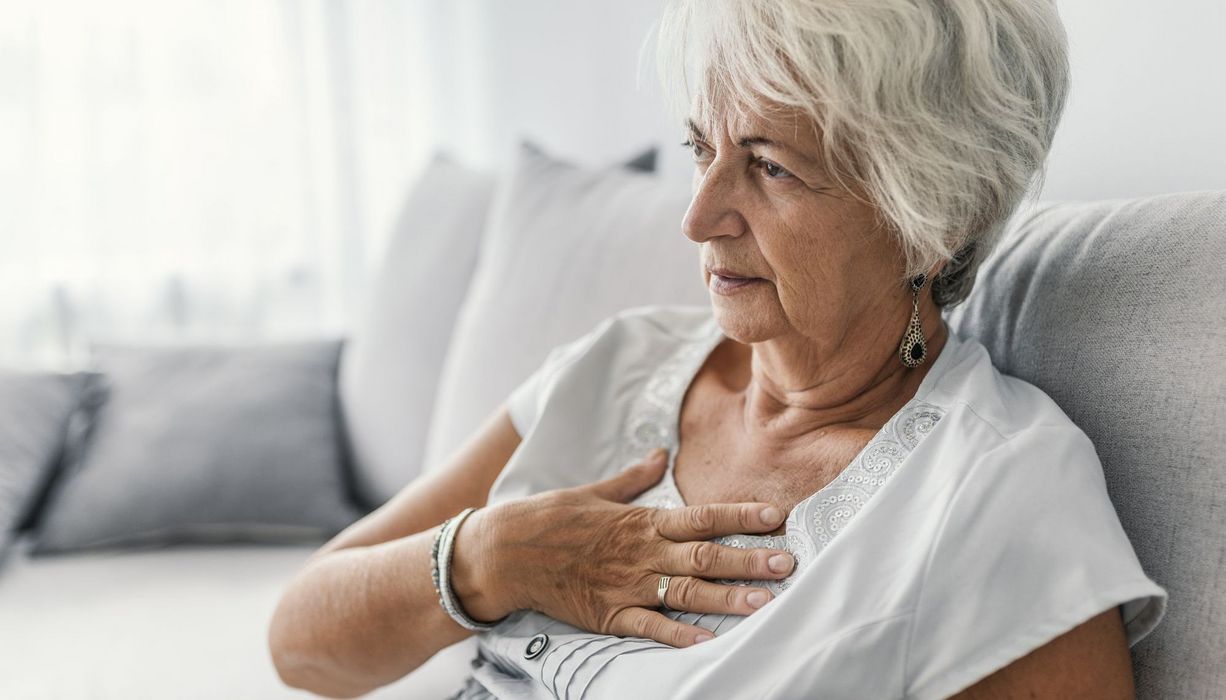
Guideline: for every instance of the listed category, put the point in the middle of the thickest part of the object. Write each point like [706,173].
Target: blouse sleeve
[1030,547]
[525,401]
[522,402]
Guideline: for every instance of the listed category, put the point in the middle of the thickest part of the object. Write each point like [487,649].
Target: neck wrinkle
[782,417]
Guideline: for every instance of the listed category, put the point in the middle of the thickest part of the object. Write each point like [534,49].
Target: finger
[649,624]
[716,519]
[710,560]
[699,596]
[632,481]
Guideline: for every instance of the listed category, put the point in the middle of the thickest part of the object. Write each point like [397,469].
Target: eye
[773,170]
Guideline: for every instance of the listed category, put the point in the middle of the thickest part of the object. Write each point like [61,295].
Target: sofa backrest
[1117,309]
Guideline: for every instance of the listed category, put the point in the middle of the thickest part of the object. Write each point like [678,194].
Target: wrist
[473,570]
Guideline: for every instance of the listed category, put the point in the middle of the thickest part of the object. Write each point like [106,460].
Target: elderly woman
[850,500]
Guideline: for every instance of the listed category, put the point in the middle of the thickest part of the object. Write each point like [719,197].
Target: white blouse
[973,528]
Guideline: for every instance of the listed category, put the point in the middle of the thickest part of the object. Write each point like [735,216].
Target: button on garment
[536,646]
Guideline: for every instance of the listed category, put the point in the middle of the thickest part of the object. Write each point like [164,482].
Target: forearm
[360,618]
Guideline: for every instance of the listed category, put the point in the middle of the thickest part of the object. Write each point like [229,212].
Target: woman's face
[765,207]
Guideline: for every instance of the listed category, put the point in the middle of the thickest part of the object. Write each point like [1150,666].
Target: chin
[744,323]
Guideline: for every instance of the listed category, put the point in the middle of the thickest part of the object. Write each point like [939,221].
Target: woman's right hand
[583,556]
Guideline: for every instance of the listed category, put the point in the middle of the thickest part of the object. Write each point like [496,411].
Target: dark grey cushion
[210,444]
[1117,309]
[34,413]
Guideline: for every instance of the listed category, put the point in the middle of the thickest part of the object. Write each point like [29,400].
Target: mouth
[729,274]
[729,284]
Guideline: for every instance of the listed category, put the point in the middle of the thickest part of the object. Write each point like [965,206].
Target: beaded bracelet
[440,572]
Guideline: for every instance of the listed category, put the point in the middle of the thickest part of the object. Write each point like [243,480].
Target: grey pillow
[204,444]
[34,414]
[1116,310]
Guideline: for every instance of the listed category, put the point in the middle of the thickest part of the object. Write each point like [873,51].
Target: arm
[363,612]
[326,639]
[1089,661]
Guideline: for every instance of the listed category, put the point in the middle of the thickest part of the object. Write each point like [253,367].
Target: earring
[913,349]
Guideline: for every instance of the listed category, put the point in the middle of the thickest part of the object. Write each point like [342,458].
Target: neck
[798,391]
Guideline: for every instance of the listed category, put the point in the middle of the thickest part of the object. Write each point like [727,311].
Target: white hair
[939,112]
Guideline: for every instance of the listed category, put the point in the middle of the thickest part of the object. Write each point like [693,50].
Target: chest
[717,463]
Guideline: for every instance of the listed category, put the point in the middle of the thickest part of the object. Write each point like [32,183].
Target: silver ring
[662,591]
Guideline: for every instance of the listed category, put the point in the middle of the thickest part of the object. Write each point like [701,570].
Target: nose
[713,209]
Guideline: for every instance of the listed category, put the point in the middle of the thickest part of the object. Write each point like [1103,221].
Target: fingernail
[700,638]
[658,454]
[780,563]
[770,515]
[756,599]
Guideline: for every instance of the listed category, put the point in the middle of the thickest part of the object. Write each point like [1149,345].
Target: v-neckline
[712,342]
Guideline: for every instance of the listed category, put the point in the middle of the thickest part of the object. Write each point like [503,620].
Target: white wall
[562,72]
[1147,111]
[1145,116]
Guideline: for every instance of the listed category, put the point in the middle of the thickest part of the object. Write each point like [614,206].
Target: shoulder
[621,349]
[1006,406]
[1008,436]
[572,411]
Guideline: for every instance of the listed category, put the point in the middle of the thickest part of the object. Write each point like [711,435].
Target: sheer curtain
[198,170]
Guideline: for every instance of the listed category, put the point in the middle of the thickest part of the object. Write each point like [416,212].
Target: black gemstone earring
[913,349]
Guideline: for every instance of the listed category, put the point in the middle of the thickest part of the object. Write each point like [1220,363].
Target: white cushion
[565,248]
[391,362]
[184,622]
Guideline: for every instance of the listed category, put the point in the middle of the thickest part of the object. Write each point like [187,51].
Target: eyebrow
[751,141]
[694,130]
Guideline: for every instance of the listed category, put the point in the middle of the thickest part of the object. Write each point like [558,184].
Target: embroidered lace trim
[815,521]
